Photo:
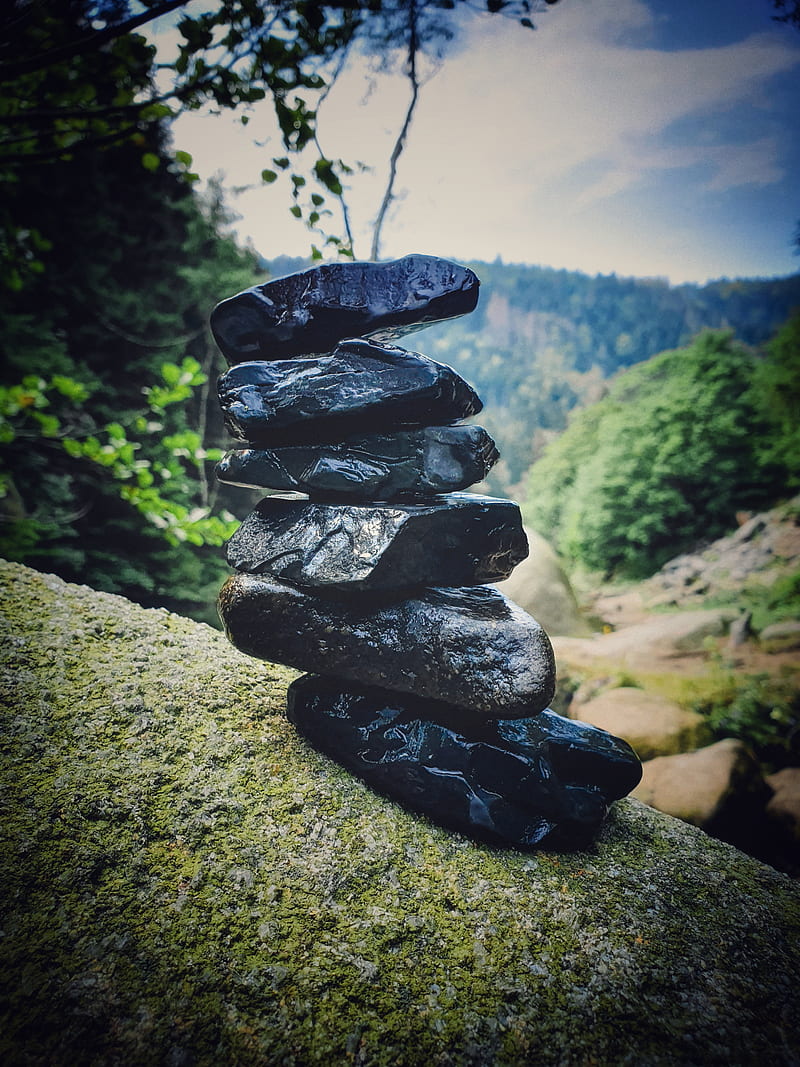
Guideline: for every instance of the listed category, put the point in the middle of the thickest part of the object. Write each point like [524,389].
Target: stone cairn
[429,683]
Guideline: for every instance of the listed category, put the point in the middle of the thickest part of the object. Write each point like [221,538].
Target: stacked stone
[430,684]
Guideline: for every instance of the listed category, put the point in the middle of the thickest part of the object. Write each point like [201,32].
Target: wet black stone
[469,646]
[362,388]
[308,313]
[459,539]
[541,780]
[388,466]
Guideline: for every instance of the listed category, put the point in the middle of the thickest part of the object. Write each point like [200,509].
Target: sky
[638,137]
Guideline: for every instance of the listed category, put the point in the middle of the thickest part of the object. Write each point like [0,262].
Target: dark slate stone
[364,387]
[541,780]
[308,313]
[469,646]
[388,466]
[460,539]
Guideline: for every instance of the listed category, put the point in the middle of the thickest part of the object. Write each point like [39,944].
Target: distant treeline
[543,341]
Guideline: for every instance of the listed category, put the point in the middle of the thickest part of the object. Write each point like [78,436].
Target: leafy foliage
[62,480]
[776,393]
[665,459]
[110,425]
[80,76]
[542,342]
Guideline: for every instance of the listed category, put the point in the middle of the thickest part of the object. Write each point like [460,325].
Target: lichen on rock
[187,882]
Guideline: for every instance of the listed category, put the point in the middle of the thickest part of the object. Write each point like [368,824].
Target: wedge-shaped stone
[543,780]
[308,313]
[469,646]
[388,466]
[364,387]
[460,539]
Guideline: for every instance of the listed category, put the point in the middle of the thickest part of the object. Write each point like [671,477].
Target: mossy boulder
[185,882]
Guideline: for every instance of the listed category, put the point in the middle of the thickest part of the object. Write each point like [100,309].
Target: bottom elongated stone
[468,646]
[523,782]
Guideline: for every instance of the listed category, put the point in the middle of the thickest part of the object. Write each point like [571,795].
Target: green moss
[186,882]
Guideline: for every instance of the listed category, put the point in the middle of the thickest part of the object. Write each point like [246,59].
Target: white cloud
[523,139]
[571,95]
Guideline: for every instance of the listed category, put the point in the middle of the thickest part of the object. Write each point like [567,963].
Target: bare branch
[323,96]
[400,143]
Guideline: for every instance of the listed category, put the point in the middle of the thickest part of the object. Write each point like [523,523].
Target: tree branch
[88,43]
[400,143]
[340,196]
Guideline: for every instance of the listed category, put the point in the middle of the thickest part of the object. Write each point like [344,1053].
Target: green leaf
[171,373]
[150,161]
[49,424]
[69,388]
[268,176]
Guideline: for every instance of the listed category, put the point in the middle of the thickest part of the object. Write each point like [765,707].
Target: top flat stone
[309,313]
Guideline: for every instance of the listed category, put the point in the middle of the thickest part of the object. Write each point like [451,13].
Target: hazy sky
[644,137]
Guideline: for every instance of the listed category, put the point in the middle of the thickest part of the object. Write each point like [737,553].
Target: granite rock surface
[309,312]
[184,876]
[454,540]
[466,646]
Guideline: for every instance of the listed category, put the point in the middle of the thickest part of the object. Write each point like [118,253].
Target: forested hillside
[678,446]
[543,341]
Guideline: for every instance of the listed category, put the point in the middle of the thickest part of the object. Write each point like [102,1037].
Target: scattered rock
[713,787]
[769,541]
[661,636]
[780,636]
[540,586]
[651,724]
[740,630]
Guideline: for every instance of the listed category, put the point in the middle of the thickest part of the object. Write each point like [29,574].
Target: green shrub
[762,711]
[666,459]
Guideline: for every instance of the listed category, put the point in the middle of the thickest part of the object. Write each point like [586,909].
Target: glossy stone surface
[542,780]
[364,387]
[388,466]
[308,313]
[469,646]
[460,539]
